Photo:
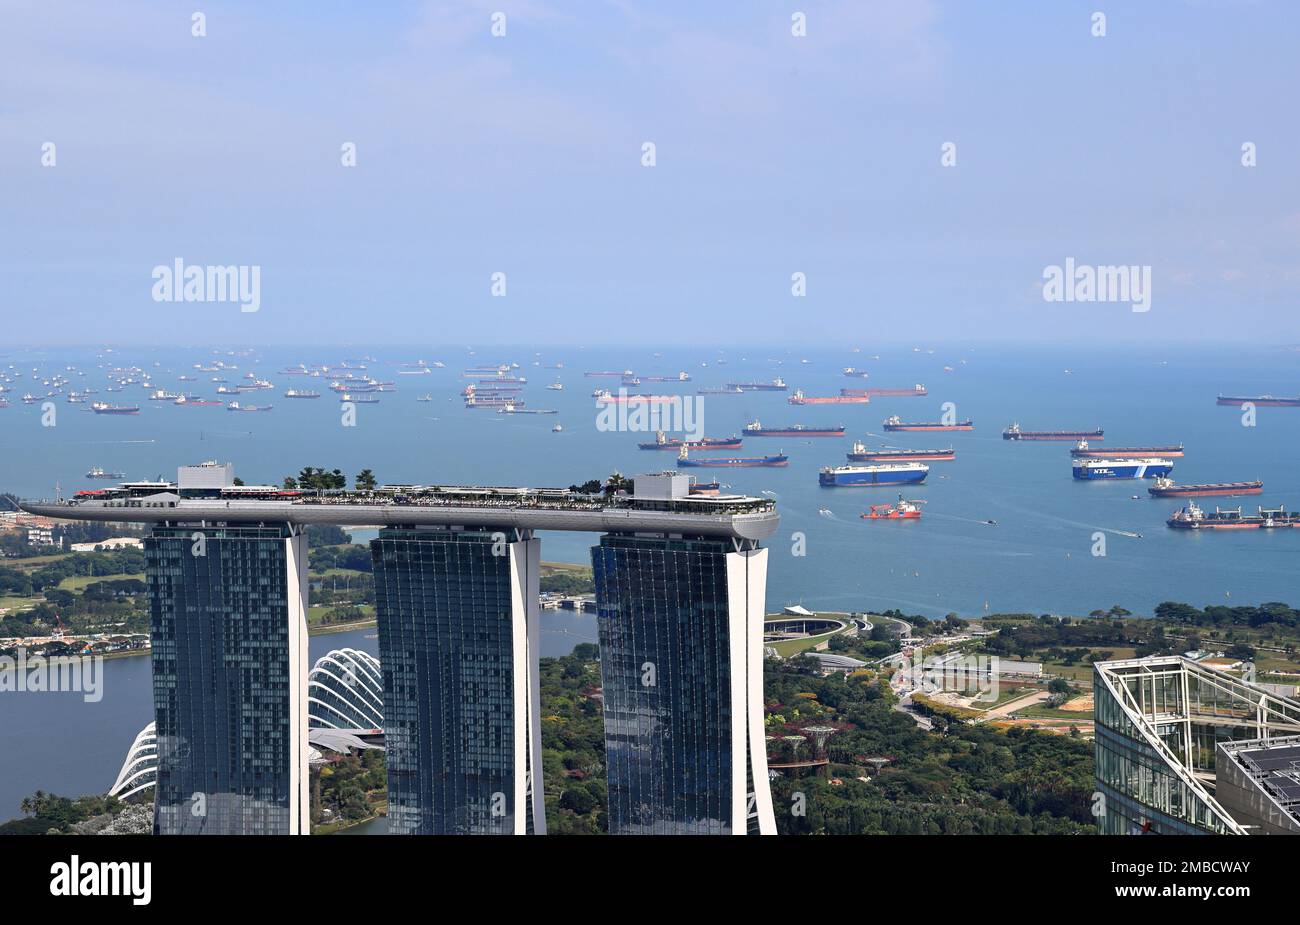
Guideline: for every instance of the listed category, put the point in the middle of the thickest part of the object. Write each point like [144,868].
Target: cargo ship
[1083,451]
[1141,468]
[96,472]
[236,406]
[100,407]
[680,377]
[915,391]
[903,510]
[592,374]
[732,462]
[884,474]
[1167,488]
[720,390]
[1015,433]
[776,385]
[799,398]
[363,398]
[893,422]
[663,442]
[1193,518]
[488,401]
[708,489]
[606,397]
[1261,401]
[300,393]
[756,429]
[861,453]
[854,373]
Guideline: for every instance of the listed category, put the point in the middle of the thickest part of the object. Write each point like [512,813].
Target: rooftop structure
[1164,723]
[658,504]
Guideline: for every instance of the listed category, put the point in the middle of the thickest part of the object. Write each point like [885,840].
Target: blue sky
[775,154]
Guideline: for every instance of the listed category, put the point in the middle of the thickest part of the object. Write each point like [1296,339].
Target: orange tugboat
[903,510]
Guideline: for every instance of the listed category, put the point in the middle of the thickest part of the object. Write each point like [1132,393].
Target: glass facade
[674,716]
[1142,793]
[227,611]
[1159,722]
[459,680]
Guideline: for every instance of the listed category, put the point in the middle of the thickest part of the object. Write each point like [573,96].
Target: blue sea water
[1039,558]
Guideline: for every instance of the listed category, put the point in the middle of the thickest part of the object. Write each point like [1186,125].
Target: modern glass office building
[458,612]
[1159,723]
[229,638]
[680,623]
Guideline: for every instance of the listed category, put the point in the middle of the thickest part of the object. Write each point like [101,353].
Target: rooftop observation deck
[734,516]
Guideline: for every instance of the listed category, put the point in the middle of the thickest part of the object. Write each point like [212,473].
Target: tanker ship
[893,422]
[1261,401]
[1015,433]
[799,398]
[861,453]
[663,442]
[1083,451]
[1167,488]
[731,462]
[776,385]
[756,429]
[916,390]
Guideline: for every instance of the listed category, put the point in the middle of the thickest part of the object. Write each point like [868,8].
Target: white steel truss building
[345,690]
[1159,723]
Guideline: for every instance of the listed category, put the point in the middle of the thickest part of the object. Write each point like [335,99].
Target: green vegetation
[348,790]
[573,743]
[960,779]
[50,814]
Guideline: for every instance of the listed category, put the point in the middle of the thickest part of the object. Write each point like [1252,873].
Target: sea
[1058,546]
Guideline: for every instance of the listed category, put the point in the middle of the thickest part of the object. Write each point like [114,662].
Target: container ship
[1166,488]
[301,393]
[915,391]
[1083,451]
[663,442]
[1261,401]
[756,429]
[893,422]
[732,462]
[885,474]
[1193,518]
[861,453]
[1143,468]
[799,398]
[236,406]
[776,385]
[100,407]
[903,510]
[1015,433]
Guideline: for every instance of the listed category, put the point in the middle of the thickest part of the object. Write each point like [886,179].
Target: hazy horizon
[775,154]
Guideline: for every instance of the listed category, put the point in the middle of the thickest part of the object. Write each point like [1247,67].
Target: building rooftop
[661,506]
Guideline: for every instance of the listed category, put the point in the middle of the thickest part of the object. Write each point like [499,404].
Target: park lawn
[1004,694]
[12,604]
[317,611]
[36,562]
[79,582]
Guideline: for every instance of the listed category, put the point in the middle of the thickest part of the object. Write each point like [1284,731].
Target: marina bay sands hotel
[680,583]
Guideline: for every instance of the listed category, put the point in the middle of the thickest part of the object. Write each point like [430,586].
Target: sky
[522,154]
